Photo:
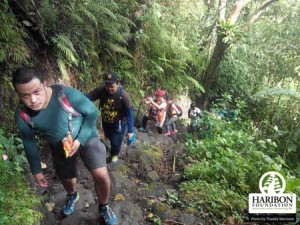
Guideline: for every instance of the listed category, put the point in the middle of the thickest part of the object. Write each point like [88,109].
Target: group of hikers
[67,119]
[161,110]
[165,111]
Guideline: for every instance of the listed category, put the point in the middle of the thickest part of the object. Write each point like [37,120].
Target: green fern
[65,46]
[13,48]
[62,67]
[195,83]
[119,49]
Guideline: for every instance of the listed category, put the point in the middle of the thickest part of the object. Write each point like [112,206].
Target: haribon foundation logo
[272,198]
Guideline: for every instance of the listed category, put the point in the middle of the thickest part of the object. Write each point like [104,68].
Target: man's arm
[128,111]
[94,94]
[161,106]
[88,111]
[30,146]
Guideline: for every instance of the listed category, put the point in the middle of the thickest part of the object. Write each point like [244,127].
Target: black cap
[110,78]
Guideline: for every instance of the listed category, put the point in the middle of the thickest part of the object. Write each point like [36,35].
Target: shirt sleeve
[88,111]
[27,136]
[94,94]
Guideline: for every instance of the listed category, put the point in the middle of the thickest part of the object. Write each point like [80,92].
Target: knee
[100,175]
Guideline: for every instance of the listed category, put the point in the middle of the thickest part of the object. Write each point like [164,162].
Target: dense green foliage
[12,45]
[226,165]
[18,203]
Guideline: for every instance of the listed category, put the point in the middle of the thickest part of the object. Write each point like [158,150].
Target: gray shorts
[93,154]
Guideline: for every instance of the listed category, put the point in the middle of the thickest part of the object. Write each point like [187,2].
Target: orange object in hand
[67,144]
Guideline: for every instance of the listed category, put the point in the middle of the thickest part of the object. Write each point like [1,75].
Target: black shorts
[93,154]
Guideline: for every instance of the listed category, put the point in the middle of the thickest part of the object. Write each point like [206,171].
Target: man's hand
[131,138]
[41,180]
[129,135]
[74,148]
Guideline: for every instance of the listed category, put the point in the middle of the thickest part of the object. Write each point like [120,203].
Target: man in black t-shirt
[116,111]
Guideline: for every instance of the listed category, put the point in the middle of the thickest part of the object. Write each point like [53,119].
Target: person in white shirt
[193,113]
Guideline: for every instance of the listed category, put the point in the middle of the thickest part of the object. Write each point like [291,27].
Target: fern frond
[62,67]
[100,12]
[89,15]
[74,16]
[125,21]
[65,46]
[195,83]
[119,49]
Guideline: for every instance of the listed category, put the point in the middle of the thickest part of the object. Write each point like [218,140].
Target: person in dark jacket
[116,111]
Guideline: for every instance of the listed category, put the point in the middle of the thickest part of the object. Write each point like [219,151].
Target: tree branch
[222,14]
[237,11]
[260,11]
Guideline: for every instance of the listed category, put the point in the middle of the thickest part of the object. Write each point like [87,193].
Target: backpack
[63,101]
[179,109]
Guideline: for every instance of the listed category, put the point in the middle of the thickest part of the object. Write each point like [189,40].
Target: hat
[160,93]
[110,78]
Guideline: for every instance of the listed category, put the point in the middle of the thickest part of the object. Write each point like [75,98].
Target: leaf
[196,83]
[150,215]
[119,197]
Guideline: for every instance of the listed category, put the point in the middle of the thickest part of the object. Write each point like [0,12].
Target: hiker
[193,113]
[67,120]
[116,112]
[156,112]
[173,113]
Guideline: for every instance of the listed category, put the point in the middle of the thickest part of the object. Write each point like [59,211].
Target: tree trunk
[220,47]
[211,70]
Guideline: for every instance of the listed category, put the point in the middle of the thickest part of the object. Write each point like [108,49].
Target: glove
[131,140]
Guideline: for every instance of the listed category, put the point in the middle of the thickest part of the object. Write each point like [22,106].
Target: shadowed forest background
[238,55]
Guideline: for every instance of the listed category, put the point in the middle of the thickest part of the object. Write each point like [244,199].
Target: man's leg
[167,126]
[67,172]
[116,139]
[159,130]
[69,185]
[144,123]
[102,184]
[94,157]
[173,126]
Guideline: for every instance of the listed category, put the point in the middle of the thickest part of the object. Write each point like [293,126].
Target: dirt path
[139,189]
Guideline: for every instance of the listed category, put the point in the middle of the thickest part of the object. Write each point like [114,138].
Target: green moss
[123,170]
[162,207]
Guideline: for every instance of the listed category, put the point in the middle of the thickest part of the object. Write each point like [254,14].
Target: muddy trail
[146,173]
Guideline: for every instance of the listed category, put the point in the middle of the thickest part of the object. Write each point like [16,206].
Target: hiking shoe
[114,159]
[167,133]
[68,208]
[108,216]
[142,129]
